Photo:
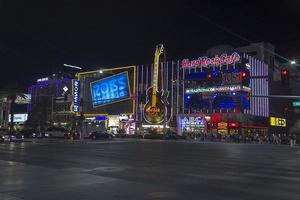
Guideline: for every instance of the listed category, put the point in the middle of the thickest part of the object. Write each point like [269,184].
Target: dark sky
[37,37]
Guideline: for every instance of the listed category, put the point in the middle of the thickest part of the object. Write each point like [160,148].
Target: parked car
[100,135]
[1,138]
[17,137]
[72,135]
[29,133]
[153,136]
[57,132]
[171,136]
[3,134]
[12,137]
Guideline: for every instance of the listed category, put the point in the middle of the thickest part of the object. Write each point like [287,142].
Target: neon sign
[76,95]
[233,125]
[230,78]
[217,89]
[110,90]
[274,121]
[296,104]
[43,79]
[224,59]
[192,121]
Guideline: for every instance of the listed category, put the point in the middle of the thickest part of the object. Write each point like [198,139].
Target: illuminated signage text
[224,59]
[42,79]
[110,90]
[217,89]
[76,94]
[274,121]
[192,121]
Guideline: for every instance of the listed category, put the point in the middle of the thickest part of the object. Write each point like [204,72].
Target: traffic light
[245,76]
[209,80]
[284,73]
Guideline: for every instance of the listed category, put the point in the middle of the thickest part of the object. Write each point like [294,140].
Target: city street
[148,169]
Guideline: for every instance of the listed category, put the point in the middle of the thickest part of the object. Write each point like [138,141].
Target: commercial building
[105,98]
[225,93]
[4,112]
[231,89]
[51,101]
[20,113]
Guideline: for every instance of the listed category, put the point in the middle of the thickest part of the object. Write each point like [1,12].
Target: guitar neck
[155,74]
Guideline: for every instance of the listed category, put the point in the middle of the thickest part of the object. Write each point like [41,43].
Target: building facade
[227,93]
[4,112]
[215,88]
[51,101]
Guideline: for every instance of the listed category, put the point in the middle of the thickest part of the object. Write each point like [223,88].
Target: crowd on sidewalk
[290,139]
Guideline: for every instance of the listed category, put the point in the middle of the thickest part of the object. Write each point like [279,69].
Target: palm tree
[11,92]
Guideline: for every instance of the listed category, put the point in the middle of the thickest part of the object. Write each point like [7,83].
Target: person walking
[294,139]
[291,140]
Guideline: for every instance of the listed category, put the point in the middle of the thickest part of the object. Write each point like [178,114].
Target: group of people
[290,139]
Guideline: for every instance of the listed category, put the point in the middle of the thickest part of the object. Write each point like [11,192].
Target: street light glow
[293,62]
[100,71]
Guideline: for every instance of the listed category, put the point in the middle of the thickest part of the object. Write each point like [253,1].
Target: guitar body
[154,114]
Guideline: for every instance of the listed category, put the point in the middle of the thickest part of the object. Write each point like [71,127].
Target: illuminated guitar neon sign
[155,109]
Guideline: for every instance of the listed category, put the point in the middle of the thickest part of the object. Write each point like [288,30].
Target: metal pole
[177,89]
[164,83]
[183,86]
[81,112]
[172,91]
[52,104]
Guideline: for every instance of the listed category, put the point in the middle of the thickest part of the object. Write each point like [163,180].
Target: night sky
[38,37]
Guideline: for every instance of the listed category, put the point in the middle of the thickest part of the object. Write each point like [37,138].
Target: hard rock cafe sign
[224,59]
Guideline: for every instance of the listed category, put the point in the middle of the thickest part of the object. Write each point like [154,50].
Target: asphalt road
[129,169]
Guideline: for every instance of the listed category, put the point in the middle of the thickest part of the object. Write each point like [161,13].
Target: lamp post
[72,66]
[295,62]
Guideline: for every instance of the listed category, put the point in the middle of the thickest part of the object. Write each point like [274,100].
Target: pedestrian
[291,140]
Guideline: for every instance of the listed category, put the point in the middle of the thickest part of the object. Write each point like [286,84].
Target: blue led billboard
[110,89]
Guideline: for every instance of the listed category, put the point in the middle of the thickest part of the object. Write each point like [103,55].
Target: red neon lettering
[224,59]
[185,63]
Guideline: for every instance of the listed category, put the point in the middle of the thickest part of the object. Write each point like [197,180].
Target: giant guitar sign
[155,108]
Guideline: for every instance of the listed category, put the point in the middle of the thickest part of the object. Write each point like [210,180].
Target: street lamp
[293,62]
[72,66]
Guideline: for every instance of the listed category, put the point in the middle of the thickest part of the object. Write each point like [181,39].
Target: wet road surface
[146,169]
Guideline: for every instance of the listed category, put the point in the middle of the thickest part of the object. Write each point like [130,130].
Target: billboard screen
[26,99]
[19,117]
[274,121]
[109,92]
[111,89]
